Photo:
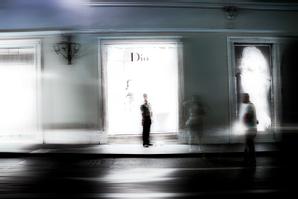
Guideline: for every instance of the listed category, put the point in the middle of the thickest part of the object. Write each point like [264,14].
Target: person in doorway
[250,122]
[146,121]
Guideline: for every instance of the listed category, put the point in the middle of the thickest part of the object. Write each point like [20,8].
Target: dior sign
[136,57]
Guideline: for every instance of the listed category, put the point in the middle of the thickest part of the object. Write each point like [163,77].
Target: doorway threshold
[158,138]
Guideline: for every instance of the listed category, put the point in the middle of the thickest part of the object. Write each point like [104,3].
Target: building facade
[214,50]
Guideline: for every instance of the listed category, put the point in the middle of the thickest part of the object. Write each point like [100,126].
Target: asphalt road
[144,178]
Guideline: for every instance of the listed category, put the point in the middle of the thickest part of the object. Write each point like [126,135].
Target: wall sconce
[231,12]
[67,49]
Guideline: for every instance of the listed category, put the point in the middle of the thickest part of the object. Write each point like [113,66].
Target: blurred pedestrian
[250,123]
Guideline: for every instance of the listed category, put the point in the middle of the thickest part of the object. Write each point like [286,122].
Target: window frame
[103,81]
[275,92]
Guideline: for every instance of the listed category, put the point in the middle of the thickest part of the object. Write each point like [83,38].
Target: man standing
[146,121]
[250,122]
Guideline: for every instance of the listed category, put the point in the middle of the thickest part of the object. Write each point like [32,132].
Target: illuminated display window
[133,68]
[18,85]
[254,68]
[253,76]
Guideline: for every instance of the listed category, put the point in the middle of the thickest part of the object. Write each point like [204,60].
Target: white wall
[70,92]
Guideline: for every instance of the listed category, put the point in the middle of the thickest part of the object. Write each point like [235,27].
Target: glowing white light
[18,92]
[71,3]
[256,81]
[238,128]
[139,175]
[137,68]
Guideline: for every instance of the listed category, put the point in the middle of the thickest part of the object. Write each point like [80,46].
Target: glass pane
[254,78]
[18,93]
[133,69]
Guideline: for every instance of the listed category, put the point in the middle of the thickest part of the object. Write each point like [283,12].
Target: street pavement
[145,177]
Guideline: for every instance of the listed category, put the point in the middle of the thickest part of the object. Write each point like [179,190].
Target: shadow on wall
[289,139]
[289,74]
